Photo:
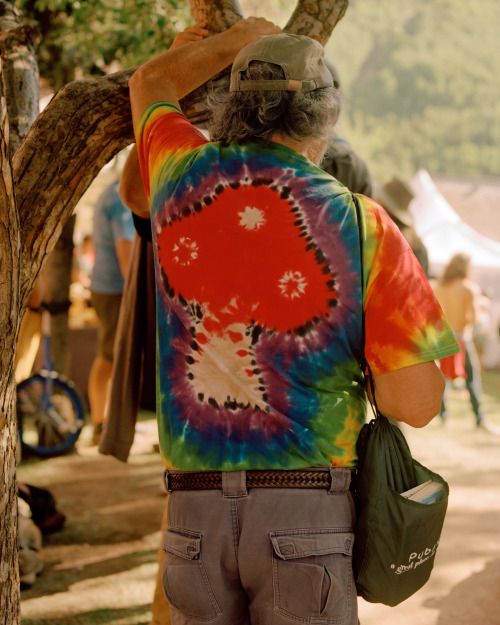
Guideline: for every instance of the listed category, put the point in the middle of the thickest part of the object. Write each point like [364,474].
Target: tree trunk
[9,329]
[18,109]
[81,129]
[56,286]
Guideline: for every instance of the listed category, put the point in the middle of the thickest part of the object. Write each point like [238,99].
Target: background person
[395,196]
[483,327]
[113,235]
[341,161]
[28,342]
[258,337]
[459,297]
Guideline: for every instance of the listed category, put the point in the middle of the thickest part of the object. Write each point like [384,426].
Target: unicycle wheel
[50,413]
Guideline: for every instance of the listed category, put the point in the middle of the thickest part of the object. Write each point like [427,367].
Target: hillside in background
[420,77]
[420,83]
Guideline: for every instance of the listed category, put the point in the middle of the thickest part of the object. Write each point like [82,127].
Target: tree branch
[316,18]
[9,236]
[89,121]
[218,15]
[81,129]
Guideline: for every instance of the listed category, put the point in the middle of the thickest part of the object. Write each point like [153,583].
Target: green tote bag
[396,536]
[400,504]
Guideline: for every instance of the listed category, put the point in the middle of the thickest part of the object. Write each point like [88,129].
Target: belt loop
[341,479]
[234,484]
[333,482]
[165,481]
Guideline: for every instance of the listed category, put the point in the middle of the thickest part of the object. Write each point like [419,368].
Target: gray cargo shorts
[261,556]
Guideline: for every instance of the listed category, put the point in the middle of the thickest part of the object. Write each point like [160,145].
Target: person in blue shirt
[113,235]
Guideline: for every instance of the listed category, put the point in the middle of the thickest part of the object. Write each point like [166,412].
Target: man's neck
[313,149]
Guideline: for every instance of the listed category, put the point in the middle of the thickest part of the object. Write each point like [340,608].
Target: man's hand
[250,28]
[197,32]
[181,69]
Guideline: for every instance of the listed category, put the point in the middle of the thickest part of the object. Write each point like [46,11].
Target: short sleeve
[165,136]
[405,324]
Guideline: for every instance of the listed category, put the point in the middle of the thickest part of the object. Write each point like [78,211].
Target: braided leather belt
[212,480]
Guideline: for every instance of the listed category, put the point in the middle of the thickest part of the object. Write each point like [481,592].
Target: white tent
[443,231]
[444,234]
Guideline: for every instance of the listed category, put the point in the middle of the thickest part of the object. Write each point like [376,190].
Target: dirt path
[101,568]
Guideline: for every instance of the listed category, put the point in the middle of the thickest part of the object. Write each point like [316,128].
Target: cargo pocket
[185,581]
[312,574]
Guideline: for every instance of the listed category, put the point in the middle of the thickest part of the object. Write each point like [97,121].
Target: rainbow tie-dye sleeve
[405,324]
[164,140]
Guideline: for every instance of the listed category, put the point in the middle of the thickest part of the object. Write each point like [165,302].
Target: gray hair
[248,115]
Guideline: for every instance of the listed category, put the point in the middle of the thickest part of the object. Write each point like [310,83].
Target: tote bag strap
[364,363]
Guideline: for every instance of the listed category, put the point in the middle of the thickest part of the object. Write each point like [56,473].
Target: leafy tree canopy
[85,38]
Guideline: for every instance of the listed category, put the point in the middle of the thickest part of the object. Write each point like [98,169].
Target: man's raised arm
[178,71]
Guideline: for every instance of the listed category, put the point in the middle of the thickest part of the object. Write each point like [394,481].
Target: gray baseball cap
[301,59]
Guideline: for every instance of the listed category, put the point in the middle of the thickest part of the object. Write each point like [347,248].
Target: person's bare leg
[98,388]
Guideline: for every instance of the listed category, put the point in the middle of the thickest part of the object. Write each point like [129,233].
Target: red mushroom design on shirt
[245,260]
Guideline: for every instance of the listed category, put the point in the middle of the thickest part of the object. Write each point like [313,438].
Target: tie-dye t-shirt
[259,302]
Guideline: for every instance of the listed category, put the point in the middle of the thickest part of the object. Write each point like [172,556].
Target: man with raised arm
[259,310]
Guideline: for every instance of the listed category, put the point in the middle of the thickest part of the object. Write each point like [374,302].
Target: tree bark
[18,109]
[56,288]
[316,18]
[17,46]
[218,15]
[9,329]
[81,129]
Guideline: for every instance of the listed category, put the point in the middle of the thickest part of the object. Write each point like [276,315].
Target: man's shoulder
[339,148]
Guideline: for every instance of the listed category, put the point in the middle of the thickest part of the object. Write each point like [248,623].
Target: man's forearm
[131,189]
[175,73]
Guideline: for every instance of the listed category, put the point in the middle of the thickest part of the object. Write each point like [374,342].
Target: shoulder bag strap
[364,363]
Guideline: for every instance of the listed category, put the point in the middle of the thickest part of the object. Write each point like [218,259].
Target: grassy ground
[100,570]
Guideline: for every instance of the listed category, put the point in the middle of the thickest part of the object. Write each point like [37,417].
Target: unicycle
[50,408]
